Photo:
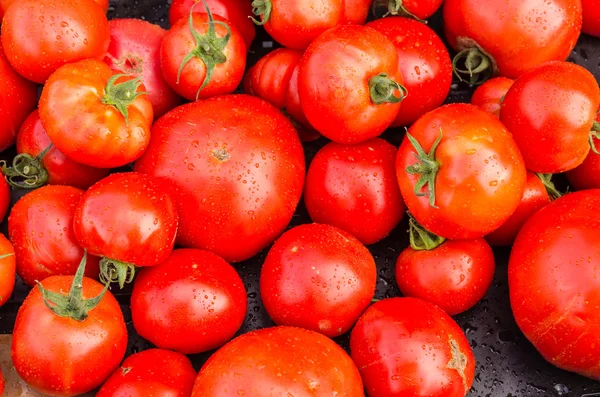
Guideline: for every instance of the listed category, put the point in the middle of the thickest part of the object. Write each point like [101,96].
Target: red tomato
[510,37]
[94,117]
[489,95]
[554,279]
[4,198]
[591,17]
[4,4]
[40,227]
[354,188]
[350,71]
[203,56]
[279,361]
[463,175]
[550,112]
[424,63]
[587,175]
[39,36]
[7,279]
[73,347]
[238,12]
[418,9]
[135,50]
[191,303]
[237,171]
[151,373]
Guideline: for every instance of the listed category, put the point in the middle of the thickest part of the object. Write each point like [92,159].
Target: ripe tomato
[7,272]
[591,17]
[554,278]
[279,361]
[135,50]
[350,71]
[354,188]
[417,9]
[462,176]
[550,111]
[64,31]
[4,198]
[40,227]
[4,4]
[237,171]
[587,175]
[424,63]
[490,95]
[203,56]
[151,373]
[509,37]
[67,342]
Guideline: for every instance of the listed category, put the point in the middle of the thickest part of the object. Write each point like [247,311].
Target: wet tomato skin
[591,17]
[7,276]
[489,95]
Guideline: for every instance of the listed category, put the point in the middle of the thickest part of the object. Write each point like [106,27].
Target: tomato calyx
[594,134]
[395,7]
[422,239]
[112,270]
[382,88]
[121,95]
[262,9]
[427,168]
[478,66]
[27,172]
[72,305]
[553,192]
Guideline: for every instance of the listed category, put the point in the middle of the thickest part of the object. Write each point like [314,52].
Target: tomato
[135,50]
[64,31]
[509,37]
[587,175]
[237,12]
[236,167]
[279,361]
[94,117]
[410,347]
[354,188]
[462,176]
[424,63]
[72,346]
[4,198]
[417,9]
[7,280]
[550,111]
[4,4]
[203,56]
[553,278]
[350,71]
[489,95]
[151,373]
[591,17]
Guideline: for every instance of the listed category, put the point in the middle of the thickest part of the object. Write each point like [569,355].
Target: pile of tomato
[142,166]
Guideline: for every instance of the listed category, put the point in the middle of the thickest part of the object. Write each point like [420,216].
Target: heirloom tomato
[489,95]
[7,273]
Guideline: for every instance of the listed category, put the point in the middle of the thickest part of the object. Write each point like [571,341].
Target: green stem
[262,9]
[594,134]
[123,94]
[546,179]
[27,172]
[426,167]
[477,66]
[395,7]
[382,89]
[420,238]
[116,271]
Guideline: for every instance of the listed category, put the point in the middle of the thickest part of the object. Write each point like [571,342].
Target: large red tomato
[39,36]
[409,347]
[550,111]
[418,9]
[490,95]
[554,279]
[509,37]
[460,172]
[350,84]
[237,169]
[7,273]
[40,226]
[354,187]
[424,63]
[587,175]
[135,50]
[591,17]
[280,361]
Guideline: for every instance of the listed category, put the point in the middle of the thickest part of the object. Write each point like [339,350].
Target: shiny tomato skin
[550,111]
[7,275]
[424,63]
[410,347]
[135,50]
[60,356]
[534,198]
[553,276]
[241,178]
[33,139]
[4,197]
[259,364]
[518,34]
[40,226]
[64,31]
[481,178]
[354,188]
[591,17]
[151,373]
[339,65]
[587,175]
[489,95]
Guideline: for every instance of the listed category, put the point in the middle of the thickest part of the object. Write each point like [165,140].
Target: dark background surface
[507,364]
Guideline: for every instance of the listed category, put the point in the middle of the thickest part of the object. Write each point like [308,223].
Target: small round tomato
[284,360]
[587,175]
[151,373]
[550,111]
[417,9]
[554,279]
[591,17]
[354,188]
[191,303]
[64,31]
[317,277]
[460,172]
[489,95]
[135,50]
[350,71]
[424,64]
[40,227]
[7,272]
[4,198]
